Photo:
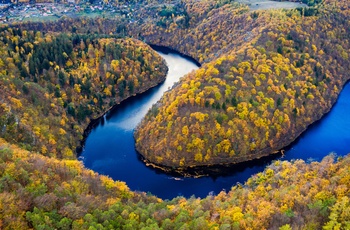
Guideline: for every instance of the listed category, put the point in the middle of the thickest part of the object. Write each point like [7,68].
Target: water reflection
[109,148]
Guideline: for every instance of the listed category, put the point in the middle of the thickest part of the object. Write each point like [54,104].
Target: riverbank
[70,79]
[215,170]
[254,96]
[301,58]
[110,147]
[96,121]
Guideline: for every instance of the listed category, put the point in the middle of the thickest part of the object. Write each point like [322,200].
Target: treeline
[54,83]
[264,73]
[79,25]
[38,192]
[273,74]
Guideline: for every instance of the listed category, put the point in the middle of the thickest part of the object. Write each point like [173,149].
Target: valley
[266,77]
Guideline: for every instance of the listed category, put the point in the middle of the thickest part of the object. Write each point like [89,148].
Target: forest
[265,76]
[40,192]
[261,85]
[53,84]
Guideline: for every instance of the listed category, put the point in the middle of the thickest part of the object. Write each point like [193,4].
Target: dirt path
[266,4]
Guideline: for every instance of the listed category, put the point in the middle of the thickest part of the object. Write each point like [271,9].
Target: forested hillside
[268,75]
[53,85]
[46,193]
[265,76]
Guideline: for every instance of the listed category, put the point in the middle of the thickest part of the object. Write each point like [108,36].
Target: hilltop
[54,84]
[265,76]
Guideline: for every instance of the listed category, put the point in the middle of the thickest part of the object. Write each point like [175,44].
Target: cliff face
[266,76]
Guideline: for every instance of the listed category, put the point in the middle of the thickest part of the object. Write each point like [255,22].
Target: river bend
[110,149]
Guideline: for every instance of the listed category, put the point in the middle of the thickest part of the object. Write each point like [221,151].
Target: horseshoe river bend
[110,148]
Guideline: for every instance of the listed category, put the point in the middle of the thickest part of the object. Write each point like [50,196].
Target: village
[25,11]
[11,13]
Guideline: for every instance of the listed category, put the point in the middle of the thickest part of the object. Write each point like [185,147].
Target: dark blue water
[109,148]
[329,135]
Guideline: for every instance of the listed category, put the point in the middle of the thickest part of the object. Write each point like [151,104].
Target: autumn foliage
[265,76]
[40,192]
[53,84]
[258,89]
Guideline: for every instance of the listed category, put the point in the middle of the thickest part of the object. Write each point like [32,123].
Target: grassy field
[265,4]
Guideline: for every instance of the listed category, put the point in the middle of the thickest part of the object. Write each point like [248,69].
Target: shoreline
[220,169]
[210,170]
[95,121]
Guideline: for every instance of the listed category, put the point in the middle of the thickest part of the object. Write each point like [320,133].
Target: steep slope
[53,85]
[37,192]
[46,193]
[256,93]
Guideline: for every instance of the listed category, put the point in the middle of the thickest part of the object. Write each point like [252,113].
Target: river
[110,150]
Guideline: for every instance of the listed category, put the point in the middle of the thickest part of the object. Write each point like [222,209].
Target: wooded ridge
[265,76]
